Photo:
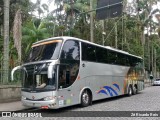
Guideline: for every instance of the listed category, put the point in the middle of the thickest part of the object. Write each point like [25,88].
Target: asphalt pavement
[145,101]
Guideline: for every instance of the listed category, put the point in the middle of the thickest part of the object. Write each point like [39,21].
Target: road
[146,100]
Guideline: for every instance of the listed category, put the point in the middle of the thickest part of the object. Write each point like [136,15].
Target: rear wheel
[130,91]
[135,90]
[85,98]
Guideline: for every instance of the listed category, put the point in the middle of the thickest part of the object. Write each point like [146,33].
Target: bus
[65,71]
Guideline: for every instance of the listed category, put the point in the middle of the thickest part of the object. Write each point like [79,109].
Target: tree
[69,12]
[73,9]
[6,42]
[32,32]
[158,18]
[17,33]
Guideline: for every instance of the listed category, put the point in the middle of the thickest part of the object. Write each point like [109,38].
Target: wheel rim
[85,98]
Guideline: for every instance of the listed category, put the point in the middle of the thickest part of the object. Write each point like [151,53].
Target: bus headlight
[48,98]
[23,98]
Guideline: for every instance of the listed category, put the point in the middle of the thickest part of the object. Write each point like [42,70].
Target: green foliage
[33,32]
[1,47]
[67,20]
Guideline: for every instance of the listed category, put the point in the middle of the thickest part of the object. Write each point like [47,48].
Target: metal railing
[1,76]
[9,82]
[8,74]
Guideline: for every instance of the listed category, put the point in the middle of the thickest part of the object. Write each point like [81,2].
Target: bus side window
[128,60]
[101,55]
[121,59]
[134,62]
[88,52]
[112,57]
[70,50]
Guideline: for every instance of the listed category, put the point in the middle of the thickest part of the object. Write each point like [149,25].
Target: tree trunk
[116,36]
[17,33]
[6,42]
[91,22]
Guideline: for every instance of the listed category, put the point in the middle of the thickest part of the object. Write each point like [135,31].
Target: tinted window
[97,54]
[68,74]
[157,79]
[112,57]
[49,50]
[88,52]
[101,55]
[132,61]
[44,52]
[70,50]
[136,61]
[69,64]
[128,60]
[121,59]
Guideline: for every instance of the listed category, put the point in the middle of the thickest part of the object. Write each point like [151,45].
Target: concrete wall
[10,93]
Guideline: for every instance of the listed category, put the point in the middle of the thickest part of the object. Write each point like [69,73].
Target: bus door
[64,88]
[68,72]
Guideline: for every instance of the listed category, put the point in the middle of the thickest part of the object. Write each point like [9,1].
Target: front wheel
[135,90]
[85,98]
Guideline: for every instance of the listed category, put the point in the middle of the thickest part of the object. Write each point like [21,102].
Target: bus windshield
[45,51]
[35,78]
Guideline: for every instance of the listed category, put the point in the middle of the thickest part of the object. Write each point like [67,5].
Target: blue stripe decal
[103,91]
[114,91]
[117,86]
[109,90]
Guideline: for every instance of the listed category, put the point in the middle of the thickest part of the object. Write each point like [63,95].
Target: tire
[85,98]
[135,90]
[130,91]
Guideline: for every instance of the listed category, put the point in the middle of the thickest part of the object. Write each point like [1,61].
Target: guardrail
[9,82]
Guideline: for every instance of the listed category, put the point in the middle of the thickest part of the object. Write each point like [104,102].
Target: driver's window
[64,76]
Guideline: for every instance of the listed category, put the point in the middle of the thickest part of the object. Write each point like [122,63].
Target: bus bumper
[51,104]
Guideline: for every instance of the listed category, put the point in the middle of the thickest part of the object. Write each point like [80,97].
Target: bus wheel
[130,91]
[85,98]
[135,91]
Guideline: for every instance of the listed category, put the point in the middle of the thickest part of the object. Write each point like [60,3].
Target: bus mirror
[50,72]
[51,69]
[13,71]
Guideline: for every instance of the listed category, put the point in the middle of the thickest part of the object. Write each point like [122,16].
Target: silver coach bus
[65,71]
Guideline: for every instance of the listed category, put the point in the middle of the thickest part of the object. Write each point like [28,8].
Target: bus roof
[86,41]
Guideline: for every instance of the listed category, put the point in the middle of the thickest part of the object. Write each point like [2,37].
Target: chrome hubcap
[85,98]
